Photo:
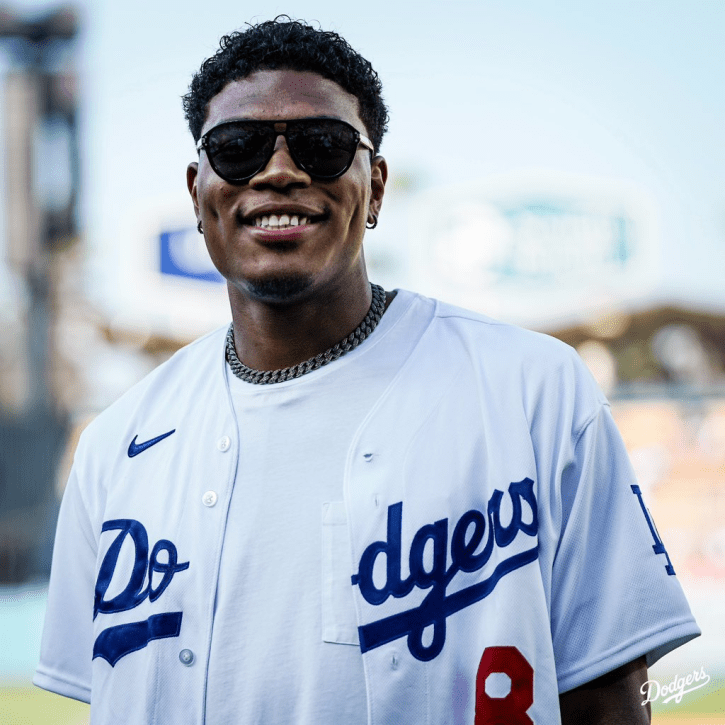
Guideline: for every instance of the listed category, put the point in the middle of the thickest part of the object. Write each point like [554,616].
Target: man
[352,506]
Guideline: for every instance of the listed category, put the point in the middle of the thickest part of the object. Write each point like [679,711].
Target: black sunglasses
[322,147]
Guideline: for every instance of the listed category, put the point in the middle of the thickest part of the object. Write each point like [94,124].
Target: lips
[282,228]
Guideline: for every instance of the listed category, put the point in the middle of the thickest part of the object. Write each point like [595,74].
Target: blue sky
[629,91]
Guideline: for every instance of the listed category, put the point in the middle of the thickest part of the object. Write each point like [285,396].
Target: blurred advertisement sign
[182,253]
[158,277]
[534,247]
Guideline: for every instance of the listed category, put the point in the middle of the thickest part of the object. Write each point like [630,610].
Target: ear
[378,178]
[192,171]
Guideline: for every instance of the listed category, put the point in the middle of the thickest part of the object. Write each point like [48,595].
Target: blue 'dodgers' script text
[468,534]
[114,643]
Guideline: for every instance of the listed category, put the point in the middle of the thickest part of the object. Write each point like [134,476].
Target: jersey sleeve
[615,594]
[67,642]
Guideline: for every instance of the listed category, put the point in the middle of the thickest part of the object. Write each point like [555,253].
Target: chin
[279,289]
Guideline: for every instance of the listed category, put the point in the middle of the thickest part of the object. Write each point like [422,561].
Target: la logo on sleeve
[658,546]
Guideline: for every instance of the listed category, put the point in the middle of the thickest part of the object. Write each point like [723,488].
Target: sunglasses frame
[280,128]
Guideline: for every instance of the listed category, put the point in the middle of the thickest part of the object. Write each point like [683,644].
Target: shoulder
[504,344]
[546,374]
[174,385]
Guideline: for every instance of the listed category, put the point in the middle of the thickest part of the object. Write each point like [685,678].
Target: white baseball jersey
[488,548]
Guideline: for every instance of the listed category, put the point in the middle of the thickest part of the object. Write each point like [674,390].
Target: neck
[270,336]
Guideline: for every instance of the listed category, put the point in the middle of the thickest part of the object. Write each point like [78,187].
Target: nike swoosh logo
[135,448]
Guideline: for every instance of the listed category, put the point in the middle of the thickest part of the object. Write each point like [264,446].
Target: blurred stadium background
[554,164]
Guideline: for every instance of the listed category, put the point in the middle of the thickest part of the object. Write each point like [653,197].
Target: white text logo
[676,689]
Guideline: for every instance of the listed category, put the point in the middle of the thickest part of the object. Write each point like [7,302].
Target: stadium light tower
[41,188]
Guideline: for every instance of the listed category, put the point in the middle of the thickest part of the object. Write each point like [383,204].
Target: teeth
[284,221]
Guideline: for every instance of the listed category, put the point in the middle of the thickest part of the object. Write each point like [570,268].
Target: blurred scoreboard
[535,248]
[158,277]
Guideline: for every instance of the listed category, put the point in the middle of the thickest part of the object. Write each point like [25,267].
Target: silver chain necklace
[358,335]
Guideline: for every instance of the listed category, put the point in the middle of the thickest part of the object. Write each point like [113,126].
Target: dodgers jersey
[498,549]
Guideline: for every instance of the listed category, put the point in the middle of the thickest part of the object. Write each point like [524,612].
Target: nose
[281,170]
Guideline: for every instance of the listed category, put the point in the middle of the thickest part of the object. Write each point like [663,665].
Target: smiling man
[289,239]
[349,506]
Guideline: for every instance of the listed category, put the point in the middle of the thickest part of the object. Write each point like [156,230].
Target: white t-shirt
[285,648]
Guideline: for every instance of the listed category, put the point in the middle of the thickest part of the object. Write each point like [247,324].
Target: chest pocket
[339,625]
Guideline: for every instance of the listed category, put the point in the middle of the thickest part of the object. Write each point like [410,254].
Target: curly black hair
[284,43]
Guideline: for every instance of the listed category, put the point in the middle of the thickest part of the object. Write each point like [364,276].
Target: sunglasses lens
[325,149]
[237,151]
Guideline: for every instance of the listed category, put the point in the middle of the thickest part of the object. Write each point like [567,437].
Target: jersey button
[224,443]
[187,657]
[209,498]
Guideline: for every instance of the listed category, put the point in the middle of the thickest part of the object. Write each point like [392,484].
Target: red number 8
[509,710]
